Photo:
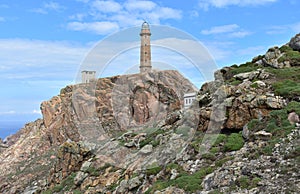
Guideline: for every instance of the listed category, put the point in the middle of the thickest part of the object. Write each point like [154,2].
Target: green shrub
[192,183]
[214,150]
[234,142]
[254,85]
[150,137]
[285,48]
[175,166]
[209,156]
[253,124]
[93,171]
[243,68]
[220,139]
[292,56]
[153,170]
[246,182]
[220,162]
[158,185]
[293,105]
[187,182]
[77,192]
[233,81]
[287,88]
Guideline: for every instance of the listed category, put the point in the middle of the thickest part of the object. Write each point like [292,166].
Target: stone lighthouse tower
[145,56]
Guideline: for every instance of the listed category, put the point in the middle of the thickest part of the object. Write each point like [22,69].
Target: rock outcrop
[88,112]
[295,43]
[130,134]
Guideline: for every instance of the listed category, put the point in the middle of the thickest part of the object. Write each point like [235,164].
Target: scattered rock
[249,75]
[263,135]
[133,183]
[246,132]
[260,84]
[174,174]
[293,118]
[147,149]
[79,178]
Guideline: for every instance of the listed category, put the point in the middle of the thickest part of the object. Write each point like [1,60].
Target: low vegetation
[277,124]
[65,185]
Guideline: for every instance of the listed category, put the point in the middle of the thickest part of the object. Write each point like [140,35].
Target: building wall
[88,76]
[188,99]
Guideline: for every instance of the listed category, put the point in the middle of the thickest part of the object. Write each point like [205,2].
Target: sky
[44,43]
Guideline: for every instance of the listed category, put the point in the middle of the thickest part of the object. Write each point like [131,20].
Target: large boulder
[272,57]
[295,42]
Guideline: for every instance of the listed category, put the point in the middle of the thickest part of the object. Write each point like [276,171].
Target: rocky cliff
[129,134]
[93,113]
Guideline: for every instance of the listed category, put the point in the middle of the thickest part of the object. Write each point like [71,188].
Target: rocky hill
[129,134]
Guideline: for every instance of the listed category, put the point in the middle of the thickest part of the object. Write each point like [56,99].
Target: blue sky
[42,43]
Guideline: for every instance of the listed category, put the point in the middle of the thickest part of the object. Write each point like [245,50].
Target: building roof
[190,95]
[84,71]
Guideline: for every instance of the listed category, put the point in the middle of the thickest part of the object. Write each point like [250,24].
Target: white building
[188,99]
[88,76]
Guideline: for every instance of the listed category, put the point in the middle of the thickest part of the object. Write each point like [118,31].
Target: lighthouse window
[145,52]
[145,44]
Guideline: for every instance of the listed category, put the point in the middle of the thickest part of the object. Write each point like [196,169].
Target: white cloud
[133,5]
[39,11]
[53,6]
[101,28]
[83,1]
[11,112]
[78,16]
[220,29]
[36,112]
[107,6]
[231,31]
[113,15]
[205,4]
[39,60]
[281,29]
[239,34]
[48,6]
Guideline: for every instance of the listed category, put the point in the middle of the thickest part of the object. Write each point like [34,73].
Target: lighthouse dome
[145,25]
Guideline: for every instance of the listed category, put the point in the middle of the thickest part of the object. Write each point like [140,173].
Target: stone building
[145,55]
[88,76]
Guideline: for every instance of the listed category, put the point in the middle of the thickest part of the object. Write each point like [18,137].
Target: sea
[10,127]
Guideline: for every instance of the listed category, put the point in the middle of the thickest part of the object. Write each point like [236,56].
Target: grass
[188,182]
[153,170]
[287,88]
[277,124]
[292,56]
[243,68]
[287,81]
[220,162]
[65,185]
[233,81]
[234,142]
[150,137]
[246,182]
[222,142]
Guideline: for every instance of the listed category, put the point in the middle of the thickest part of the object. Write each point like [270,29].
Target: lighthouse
[145,55]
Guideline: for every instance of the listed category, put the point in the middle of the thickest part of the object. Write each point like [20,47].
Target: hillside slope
[129,134]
